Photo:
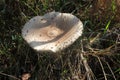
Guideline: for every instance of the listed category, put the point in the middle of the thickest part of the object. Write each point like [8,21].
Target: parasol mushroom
[52,32]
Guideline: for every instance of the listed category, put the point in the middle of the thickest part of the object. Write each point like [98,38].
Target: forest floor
[94,56]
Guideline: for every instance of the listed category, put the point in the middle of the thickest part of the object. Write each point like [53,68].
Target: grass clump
[94,56]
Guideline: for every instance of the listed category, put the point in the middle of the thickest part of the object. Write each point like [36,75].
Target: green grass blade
[107,26]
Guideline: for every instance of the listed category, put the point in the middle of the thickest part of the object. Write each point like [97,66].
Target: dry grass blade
[88,70]
[102,68]
[96,57]
[86,67]
[111,70]
[11,76]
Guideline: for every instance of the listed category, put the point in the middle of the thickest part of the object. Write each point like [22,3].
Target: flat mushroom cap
[52,32]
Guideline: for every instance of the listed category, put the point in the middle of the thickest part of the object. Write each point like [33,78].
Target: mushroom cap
[52,32]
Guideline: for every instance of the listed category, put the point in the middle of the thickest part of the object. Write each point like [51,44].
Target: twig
[9,76]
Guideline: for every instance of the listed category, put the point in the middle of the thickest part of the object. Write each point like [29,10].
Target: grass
[94,56]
